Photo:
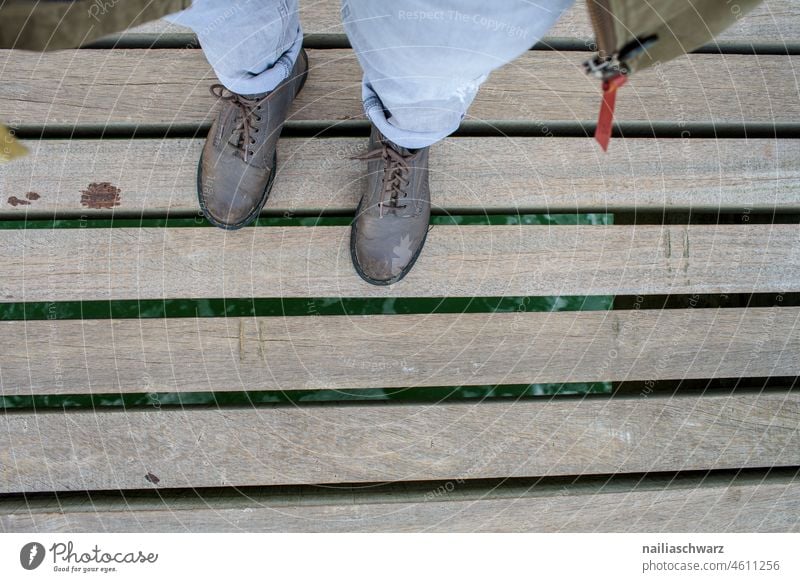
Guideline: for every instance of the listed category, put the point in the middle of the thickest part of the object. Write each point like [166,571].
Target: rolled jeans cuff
[269,79]
[377,114]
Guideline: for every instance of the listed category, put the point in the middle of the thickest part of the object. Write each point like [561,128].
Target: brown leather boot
[237,166]
[392,218]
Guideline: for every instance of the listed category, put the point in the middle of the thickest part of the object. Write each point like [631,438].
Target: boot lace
[246,117]
[396,172]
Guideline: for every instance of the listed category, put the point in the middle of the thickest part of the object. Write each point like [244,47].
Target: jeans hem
[404,138]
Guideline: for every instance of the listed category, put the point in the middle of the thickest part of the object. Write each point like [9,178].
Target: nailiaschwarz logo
[31,555]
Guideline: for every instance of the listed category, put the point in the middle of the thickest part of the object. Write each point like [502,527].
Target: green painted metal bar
[311,221]
[297,306]
[299,397]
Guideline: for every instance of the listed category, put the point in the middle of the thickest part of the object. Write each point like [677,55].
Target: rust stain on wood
[152,479]
[101,195]
[32,196]
[14,201]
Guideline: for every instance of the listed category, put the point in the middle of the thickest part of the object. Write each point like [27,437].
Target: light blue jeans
[423,60]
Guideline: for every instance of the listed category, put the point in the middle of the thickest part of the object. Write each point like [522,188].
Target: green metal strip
[269,307]
[318,221]
[432,394]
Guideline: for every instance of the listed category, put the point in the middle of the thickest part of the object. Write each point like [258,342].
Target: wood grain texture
[777,20]
[154,263]
[514,174]
[341,352]
[86,450]
[158,27]
[615,505]
[171,86]
[316,17]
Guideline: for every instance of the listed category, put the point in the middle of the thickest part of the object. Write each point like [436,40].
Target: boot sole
[263,200]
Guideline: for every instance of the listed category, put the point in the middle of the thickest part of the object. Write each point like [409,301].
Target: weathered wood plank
[154,263]
[316,17]
[171,86]
[776,20]
[155,177]
[618,505]
[163,27]
[341,352]
[89,450]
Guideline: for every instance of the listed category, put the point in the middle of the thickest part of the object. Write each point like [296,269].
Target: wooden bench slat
[376,351]
[155,177]
[155,263]
[88,450]
[708,504]
[649,505]
[171,86]
[774,19]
